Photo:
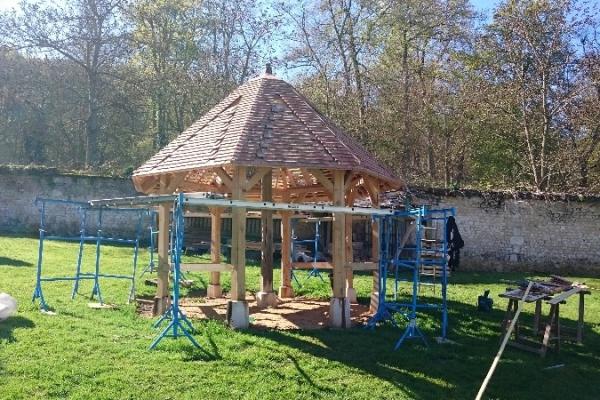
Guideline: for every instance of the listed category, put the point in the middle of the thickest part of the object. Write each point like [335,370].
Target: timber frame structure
[266,142]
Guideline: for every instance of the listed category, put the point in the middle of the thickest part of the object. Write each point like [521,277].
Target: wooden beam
[175,181]
[373,190]
[348,179]
[311,265]
[349,251]
[374,194]
[254,179]
[238,238]
[362,266]
[162,272]
[207,267]
[339,236]
[322,179]
[224,176]
[214,287]
[286,290]
[266,264]
[148,183]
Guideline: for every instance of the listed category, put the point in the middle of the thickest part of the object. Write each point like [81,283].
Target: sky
[481,5]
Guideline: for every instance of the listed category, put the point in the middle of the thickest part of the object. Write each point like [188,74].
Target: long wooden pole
[504,342]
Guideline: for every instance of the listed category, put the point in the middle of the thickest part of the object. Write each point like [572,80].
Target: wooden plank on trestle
[564,295]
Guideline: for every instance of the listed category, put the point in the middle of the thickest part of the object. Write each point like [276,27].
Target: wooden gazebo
[265,141]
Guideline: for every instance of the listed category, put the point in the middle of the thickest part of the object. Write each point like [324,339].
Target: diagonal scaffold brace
[179,325]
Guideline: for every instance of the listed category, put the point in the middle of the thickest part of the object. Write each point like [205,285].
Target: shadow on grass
[204,354]
[14,262]
[9,325]
[438,371]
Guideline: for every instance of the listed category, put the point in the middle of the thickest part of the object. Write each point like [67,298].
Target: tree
[527,54]
[89,33]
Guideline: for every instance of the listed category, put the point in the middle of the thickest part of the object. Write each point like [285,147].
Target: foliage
[442,95]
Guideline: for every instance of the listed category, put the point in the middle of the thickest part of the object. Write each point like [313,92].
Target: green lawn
[82,353]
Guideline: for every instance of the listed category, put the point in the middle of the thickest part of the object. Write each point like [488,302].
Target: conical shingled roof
[264,123]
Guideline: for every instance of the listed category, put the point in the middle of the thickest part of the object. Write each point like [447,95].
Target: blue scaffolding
[314,242]
[153,231]
[84,212]
[426,258]
[179,325]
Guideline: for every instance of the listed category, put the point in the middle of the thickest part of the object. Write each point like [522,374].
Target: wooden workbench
[552,332]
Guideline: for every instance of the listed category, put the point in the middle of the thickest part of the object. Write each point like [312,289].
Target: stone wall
[557,235]
[19,189]
[560,234]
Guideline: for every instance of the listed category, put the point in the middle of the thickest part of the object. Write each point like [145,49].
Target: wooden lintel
[322,179]
[207,267]
[362,266]
[224,176]
[311,265]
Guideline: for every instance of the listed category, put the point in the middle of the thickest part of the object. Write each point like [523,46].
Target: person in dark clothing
[455,243]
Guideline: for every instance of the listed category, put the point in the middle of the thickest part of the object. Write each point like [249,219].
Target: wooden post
[286,290]
[374,194]
[266,297]
[350,291]
[161,300]
[339,309]
[237,310]
[581,312]
[214,286]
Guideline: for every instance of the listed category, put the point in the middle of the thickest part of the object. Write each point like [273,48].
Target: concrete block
[351,295]
[237,314]
[266,299]
[339,313]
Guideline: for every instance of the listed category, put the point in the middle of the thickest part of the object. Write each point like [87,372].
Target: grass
[102,354]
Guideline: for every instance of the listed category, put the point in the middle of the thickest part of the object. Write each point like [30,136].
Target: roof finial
[268,69]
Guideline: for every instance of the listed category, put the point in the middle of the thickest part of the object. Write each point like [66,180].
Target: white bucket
[8,306]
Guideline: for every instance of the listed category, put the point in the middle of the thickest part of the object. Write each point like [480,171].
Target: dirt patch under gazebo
[297,313]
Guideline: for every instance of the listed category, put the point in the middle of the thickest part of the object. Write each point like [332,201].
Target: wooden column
[374,194]
[237,310]
[266,297]
[339,309]
[161,300]
[286,290]
[214,286]
[350,291]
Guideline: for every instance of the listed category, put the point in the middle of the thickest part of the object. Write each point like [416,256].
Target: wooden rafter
[254,179]
[322,179]
[224,176]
